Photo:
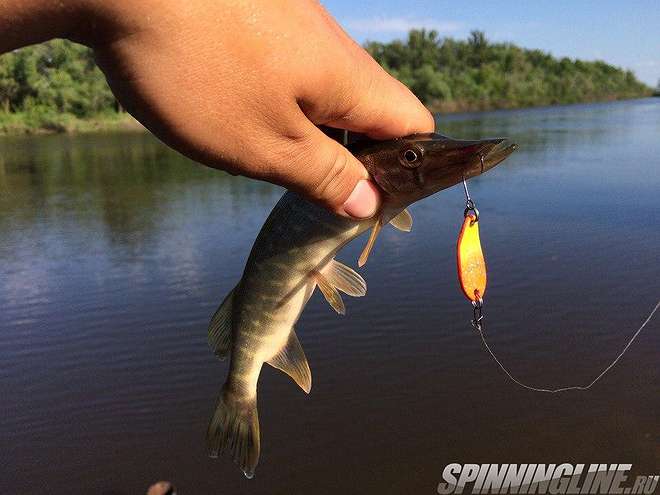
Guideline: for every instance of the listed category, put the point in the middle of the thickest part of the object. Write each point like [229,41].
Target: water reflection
[115,250]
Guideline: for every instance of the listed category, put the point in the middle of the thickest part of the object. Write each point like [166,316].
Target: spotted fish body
[294,249]
[293,254]
[297,243]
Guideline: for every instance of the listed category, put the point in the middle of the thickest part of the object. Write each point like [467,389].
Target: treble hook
[477,311]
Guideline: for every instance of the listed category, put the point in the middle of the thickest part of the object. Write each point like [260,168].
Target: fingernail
[363,201]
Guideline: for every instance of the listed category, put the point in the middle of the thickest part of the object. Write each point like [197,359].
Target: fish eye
[411,157]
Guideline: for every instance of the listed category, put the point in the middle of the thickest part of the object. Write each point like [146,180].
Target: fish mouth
[468,158]
[494,152]
[448,160]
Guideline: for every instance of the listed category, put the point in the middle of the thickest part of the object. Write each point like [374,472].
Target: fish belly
[297,240]
[266,320]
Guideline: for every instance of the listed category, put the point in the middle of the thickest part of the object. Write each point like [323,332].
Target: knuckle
[319,170]
[364,97]
[281,156]
[333,183]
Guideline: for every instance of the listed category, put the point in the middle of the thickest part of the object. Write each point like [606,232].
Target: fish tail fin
[234,428]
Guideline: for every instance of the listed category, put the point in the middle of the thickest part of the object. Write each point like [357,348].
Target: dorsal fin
[403,221]
[330,293]
[344,278]
[219,333]
[370,243]
[292,361]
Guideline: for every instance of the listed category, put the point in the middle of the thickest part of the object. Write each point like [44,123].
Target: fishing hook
[469,204]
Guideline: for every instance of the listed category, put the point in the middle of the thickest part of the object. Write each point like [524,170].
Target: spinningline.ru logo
[553,479]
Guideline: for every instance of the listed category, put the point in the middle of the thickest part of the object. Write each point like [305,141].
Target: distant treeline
[57,86]
[475,74]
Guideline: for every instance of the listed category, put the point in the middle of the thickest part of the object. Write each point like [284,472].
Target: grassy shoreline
[16,124]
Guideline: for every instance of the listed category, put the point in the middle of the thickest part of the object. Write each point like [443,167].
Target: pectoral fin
[330,293]
[219,333]
[292,361]
[344,278]
[370,243]
[403,221]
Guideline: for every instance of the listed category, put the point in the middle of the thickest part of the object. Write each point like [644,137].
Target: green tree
[47,84]
[60,76]
[476,74]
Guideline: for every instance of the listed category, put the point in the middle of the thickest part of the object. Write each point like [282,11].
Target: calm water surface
[115,251]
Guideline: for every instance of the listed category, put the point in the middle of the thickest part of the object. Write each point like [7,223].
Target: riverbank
[465,106]
[12,124]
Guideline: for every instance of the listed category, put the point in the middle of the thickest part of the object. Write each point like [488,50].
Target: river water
[115,251]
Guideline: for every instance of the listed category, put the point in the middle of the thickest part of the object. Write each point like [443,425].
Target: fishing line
[472,277]
[479,327]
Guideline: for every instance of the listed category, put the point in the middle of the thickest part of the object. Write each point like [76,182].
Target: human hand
[238,85]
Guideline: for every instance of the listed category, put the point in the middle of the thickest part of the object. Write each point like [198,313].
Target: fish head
[410,168]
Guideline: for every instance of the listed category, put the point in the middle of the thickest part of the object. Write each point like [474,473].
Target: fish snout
[487,154]
[494,153]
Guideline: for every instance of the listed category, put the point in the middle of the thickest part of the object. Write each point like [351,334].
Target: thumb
[328,174]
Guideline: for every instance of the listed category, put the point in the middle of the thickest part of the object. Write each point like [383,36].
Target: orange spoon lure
[470,259]
[472,277]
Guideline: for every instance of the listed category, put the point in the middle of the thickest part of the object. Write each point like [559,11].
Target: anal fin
[292,361]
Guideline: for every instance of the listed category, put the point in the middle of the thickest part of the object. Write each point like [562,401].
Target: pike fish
[295,252]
